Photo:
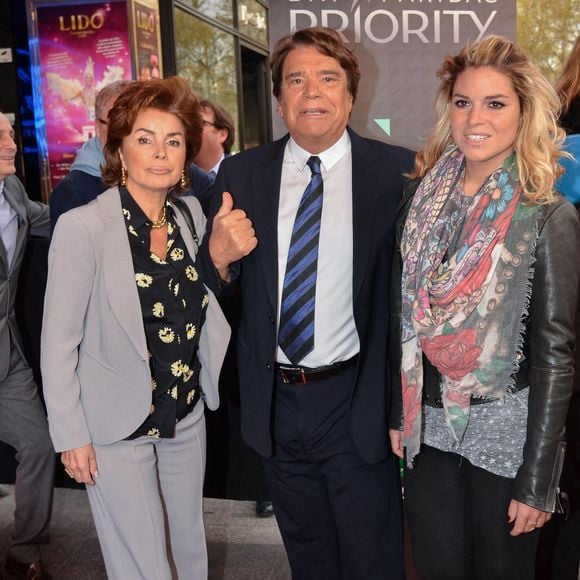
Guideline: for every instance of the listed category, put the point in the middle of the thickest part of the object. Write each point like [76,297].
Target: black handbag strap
[186,213]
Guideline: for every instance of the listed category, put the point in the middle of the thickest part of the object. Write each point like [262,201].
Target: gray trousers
[23,425]
[147,505]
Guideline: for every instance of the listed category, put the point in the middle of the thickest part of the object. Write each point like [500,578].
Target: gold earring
[123,176]
[183,180]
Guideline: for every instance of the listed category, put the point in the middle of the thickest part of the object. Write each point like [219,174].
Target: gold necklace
[156,224]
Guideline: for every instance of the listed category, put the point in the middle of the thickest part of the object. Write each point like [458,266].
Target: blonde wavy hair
[538,143]
[568,85]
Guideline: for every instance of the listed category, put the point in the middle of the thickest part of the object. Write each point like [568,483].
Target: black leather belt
[304,375]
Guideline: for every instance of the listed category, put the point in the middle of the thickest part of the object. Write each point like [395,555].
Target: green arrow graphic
[384,124]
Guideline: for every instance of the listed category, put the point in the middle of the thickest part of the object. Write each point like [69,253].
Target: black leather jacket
[547,365]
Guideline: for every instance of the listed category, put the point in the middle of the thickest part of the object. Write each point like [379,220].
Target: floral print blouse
[173,302]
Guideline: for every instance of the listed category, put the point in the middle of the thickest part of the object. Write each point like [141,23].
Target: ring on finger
[532,523]
[68,472]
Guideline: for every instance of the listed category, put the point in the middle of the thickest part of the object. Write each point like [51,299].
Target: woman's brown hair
[568,85]
[171,95]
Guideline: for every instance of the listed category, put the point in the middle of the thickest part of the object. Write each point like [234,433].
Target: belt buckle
[283,375]
[285,378]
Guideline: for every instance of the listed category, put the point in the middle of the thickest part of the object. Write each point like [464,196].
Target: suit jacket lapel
[266,196]
[3,257]
[365,195]
[119,273]
[17,205]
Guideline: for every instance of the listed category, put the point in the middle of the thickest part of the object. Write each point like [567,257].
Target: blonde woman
[485,339]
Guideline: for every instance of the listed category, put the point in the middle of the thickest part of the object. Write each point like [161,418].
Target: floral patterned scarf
[465,289]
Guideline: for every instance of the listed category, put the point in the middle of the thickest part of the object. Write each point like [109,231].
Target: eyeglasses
[207,123]
[102,121]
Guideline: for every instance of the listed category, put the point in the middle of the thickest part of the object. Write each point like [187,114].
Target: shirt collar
[216,167]
[135,216]
[328,158]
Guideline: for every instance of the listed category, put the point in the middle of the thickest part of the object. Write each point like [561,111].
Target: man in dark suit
[312,342]
[216,143]
[23,422]
[219,134]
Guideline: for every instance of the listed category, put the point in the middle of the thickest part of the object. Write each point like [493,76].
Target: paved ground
[240,545]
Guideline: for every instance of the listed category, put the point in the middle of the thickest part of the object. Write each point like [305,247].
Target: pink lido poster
[82,48]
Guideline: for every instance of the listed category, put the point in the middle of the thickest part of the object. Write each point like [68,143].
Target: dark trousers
[23,425]
[457,518]
[339,516]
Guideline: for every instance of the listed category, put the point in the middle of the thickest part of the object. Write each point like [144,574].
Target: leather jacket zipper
[552,504]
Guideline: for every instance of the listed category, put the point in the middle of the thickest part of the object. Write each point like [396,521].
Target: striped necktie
[296,332]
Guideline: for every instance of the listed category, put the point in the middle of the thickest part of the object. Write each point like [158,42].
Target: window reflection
[205,58]
[221,10]
[253,20]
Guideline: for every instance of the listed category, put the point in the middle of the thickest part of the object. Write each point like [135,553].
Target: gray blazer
[33,217]
[94,359]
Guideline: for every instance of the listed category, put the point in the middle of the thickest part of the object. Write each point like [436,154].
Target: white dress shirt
[335,336]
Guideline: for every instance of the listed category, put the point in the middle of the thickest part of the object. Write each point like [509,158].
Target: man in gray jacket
[23,422]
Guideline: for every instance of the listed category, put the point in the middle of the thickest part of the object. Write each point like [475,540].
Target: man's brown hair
[222,120]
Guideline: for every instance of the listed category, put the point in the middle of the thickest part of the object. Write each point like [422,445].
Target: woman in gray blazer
[133,341]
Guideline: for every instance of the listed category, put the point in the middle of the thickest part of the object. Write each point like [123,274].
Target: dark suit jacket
[253,178]
[201,186]
[76,189]
[33,217]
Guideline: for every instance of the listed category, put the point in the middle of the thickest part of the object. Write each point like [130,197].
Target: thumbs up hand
[227,204]
[232,236]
